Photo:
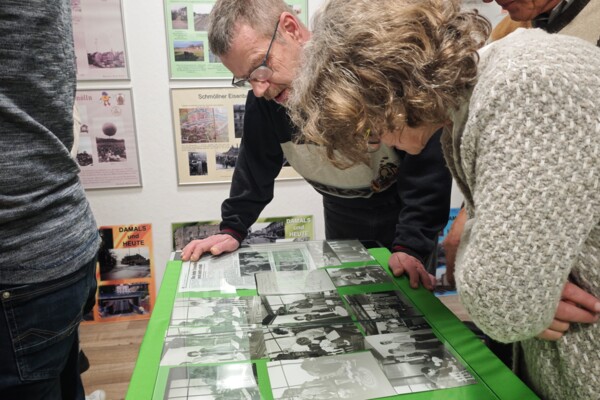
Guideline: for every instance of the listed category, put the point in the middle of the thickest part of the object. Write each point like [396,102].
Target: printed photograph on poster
[292,343]
[347,376]
[107,153]
[417,362]
[207,124]
[227,381]
[99,40]
[353,276]
[187,38]
[265,230]
[124,301]
[125,274]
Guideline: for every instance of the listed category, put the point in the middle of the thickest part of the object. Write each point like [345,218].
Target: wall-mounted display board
[107,151]
[125,274]
[208,125]
[99,39]
[296,228]
[187,39]
[312,320]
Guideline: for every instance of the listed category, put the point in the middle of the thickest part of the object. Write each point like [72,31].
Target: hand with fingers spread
[575,306]
[215,244]
[402,263]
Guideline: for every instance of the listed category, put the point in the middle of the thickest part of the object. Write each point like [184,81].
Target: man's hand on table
[402,263]
[215,244]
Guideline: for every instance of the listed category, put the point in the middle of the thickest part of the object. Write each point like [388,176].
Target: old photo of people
[353,276]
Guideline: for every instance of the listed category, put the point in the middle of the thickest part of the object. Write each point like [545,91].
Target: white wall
[160,201]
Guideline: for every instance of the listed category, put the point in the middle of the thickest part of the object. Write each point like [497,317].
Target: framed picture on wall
[99,39]
[107,151]
[187,38]
[208,125]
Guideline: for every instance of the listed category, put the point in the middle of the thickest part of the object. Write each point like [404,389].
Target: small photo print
[204,125]
[306,309]
[215,315]
[197,163]
[418,361]
[111,150]
[123,300]
[252,262]
[348,376]
[187,50]
[201,12]
[238,119]
[228,159]
[288,282]
[179,17]
[229,381]
[204,349]
[291,343]
[350,250]
[368,275]
[84,152]
[126,263]
[381,306]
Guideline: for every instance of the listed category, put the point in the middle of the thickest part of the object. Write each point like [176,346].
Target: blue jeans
[39,343]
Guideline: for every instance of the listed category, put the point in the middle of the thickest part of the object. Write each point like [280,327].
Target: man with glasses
[400,200]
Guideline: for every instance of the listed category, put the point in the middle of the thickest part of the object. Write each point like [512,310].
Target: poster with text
[208,125]
[107,151]
[187,38]
[125,274]
[99,40]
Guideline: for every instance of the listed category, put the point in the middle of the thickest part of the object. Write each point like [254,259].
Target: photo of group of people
[338,332]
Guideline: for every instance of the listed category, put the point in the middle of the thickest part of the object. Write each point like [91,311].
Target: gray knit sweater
[526,152]
[46,226]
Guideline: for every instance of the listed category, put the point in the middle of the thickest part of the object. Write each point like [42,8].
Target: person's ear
[292,28]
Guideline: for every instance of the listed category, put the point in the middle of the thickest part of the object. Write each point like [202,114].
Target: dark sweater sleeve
[424,185]
[259,161]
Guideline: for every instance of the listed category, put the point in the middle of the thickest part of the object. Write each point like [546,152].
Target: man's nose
[259,88]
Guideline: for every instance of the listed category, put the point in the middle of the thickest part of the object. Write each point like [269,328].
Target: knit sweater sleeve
[531,151]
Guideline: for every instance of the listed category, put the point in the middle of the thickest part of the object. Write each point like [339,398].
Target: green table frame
[494,379]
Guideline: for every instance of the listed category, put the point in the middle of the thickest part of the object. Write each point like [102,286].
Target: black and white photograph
[292,258]
[395,325]
[306,309]
[418,361]
[197,163]
[291,343]
[227,159]
[215,314]
[356,376]
[350,251]
[111,150]
[252,262]
[212,348]
[84,152]
[288,282]
[322,254]
[238,119]
[368,275]
[237,381]
[381,305]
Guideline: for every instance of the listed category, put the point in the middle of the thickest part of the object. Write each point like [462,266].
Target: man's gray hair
[260,15]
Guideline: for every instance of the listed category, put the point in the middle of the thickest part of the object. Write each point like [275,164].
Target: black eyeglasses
[262,73]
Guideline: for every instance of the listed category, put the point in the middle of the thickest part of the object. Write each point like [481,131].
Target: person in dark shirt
[400,200]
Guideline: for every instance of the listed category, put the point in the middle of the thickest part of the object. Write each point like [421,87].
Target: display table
[293,337]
